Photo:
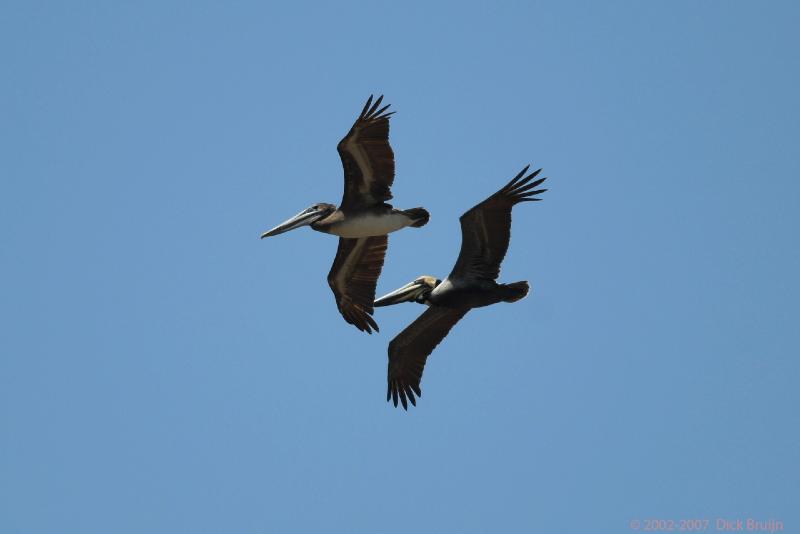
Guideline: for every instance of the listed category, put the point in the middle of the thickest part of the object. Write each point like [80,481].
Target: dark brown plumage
[367,158]
[353,277]
[410,349]
[486,228]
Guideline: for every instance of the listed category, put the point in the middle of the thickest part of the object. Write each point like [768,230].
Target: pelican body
[485,234]
[369,221]
[363,220]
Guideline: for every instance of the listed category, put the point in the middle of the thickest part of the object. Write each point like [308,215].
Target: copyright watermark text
[719,524]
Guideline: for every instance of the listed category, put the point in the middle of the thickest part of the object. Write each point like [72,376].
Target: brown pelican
[485,232]
[363,219]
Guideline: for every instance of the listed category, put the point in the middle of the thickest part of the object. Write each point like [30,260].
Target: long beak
[406,293]
[303,218]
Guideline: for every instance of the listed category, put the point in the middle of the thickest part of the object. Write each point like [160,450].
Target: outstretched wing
[353,277]
[367,158]
[486,229]
[411,348]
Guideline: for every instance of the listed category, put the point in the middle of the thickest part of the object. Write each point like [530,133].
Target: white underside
[370,225]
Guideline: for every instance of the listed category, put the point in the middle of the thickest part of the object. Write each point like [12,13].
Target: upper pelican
[363,219]
[485,232]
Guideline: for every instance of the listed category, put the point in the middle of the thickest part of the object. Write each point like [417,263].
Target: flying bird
[363,219]
[485,233]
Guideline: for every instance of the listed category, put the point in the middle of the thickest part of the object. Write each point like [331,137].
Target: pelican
[363,219]
[485,233]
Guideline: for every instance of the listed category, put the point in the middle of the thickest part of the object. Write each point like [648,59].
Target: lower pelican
[485,233]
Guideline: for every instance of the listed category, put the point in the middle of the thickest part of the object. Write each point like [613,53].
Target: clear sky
[162,370]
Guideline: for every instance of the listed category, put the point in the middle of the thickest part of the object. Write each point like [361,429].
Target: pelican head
[304,218]
[417,291]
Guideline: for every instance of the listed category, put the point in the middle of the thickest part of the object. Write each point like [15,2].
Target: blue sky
[163,370]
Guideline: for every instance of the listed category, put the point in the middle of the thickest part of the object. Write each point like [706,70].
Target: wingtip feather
[366,107]
[375,106]
[519,175]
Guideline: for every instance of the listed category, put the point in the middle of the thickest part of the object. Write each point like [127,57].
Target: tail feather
[419,215]
[516,291]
